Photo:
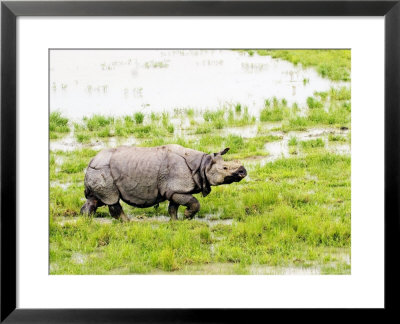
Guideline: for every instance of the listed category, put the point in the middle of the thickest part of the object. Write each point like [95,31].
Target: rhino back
[135,173]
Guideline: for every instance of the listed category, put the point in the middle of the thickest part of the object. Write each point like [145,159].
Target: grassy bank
[332,64]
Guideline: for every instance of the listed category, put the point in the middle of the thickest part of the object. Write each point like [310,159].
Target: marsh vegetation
[292,214]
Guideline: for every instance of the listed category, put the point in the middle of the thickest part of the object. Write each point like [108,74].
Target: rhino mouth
[237,176]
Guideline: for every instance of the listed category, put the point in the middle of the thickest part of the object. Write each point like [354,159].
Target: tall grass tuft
[58,123]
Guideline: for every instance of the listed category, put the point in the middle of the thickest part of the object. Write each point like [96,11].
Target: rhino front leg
[192,204]
[117,212]
[173,210]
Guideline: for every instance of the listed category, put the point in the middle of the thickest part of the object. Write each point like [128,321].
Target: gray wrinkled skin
[143,177]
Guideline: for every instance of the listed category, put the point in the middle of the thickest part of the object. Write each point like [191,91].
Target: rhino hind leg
[117,212]
[192,204]
[90,206]
[173,210]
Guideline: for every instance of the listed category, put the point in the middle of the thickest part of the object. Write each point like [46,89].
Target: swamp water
[85,82]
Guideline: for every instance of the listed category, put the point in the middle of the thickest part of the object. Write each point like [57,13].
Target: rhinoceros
[145,176]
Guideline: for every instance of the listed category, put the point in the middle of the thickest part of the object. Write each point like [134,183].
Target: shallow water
[69,143]
[209,219]
[280,149]
[213,222]
[120,82]
[338,255]
[245,132]
[62,185]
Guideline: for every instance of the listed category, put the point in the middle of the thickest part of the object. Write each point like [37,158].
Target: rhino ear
[224,151]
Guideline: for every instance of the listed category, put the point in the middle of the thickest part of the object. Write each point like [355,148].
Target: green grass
[332,64]
[98,122]
[126,248]
[274,110]
[313,143]
[234,116]
[336,138]
[100,127]
[342,93]
[58,125]
[203,129]
[323,109]
[313,103]
[156,65]
[82,137]
[277,221]
[293,141]
[157,126]
[239,117]
[139,117]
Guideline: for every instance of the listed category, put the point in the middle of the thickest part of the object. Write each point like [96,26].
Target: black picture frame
[11,10]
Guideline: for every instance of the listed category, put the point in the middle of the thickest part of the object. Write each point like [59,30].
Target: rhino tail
[88,193]
[91,204]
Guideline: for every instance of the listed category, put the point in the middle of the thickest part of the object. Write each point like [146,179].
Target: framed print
[193,161]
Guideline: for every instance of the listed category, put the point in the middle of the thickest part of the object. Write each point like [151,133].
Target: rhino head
[219,172]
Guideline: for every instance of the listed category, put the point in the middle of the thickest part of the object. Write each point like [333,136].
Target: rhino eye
[225,168]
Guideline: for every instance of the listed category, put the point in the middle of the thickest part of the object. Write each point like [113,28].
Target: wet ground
[276,149]
[280,148]
[340,255]
[335,257]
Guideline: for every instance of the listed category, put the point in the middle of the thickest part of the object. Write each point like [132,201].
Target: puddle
[337,255]
[103,220]
[256,269]
[280,149]
[78,258]
[66,143]
[245,132]
[59,160]
[276,150]
[119,82]
[72,220]
[69,143]
[342,149]
[270,270]
[62,221]
[209,219]
[181,125]
[269,126]
[62,185]
[130,141]
[53,267]
[311,177]
[144,218]
[212,221]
